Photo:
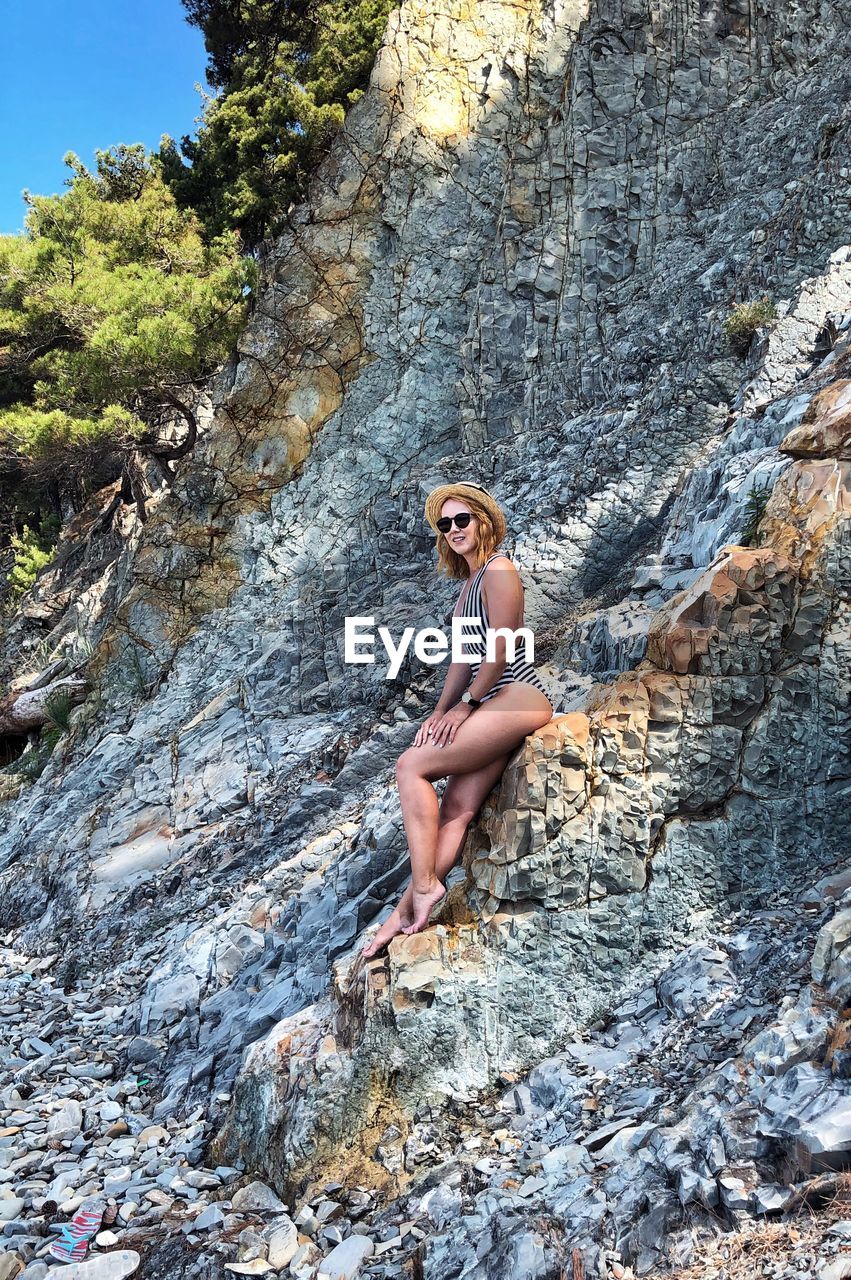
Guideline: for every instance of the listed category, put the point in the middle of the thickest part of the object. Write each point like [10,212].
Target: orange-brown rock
[743,599]
[825,431]
[810,504]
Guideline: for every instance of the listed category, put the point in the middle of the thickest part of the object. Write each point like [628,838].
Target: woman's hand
[425,733]
[440,730]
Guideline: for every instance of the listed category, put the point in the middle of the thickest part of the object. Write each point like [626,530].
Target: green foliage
[346,40]
[50,441]
[59,707]
[744,320]
[136,670]
[113,306]
[33,550]
[755,505]
[233,29]
[286,75]
[249,159]
[33,762]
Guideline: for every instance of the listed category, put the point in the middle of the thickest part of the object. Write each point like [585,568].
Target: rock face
[690,784]
[513,266]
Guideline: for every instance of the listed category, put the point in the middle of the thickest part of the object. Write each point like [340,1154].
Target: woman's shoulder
[495,570]
[499,560]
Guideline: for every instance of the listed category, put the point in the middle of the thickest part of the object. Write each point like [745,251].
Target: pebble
[305,1261]
[201,1179]
[327,1211]
[117,1180]
[345,1262]
[108,1266]
[282,1242]
[153,1134]
[835,1269]
[208,1218]
[256,1197]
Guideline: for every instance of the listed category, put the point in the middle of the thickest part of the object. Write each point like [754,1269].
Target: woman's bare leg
[461,801]
[492,731]
[420,809]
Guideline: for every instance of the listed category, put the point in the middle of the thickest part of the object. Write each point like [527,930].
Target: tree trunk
[20,712]
[180,450]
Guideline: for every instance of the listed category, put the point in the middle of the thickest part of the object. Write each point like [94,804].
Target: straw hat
[465,491]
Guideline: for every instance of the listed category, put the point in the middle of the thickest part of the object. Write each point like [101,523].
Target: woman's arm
[457,679]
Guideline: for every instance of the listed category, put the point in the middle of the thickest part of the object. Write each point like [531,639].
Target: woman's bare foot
[423,903]
[394,924]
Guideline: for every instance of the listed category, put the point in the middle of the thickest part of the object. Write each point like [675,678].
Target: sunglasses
[461,520]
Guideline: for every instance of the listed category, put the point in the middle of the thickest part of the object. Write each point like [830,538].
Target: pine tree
[114,307]
[285,74]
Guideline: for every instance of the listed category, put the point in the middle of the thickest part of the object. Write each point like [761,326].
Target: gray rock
[282,1241]
[201,1179]
[208,1218]
[256,1197]
[328,1211]
[442,1203]
[810,1111]
[834,1269]
[770,1198]
[696,981]
[346,1260]
[107,1266]
[141,1049]
[66,1122]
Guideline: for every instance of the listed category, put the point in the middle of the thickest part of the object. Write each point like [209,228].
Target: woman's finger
[429,728]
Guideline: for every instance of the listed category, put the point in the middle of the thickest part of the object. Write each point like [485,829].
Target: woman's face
[461,540]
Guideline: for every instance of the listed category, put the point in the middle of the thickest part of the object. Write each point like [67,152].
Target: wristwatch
[470,701]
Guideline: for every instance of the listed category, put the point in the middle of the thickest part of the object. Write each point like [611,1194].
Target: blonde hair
[491,530]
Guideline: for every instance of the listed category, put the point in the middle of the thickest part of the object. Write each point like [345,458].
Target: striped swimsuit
[474,633]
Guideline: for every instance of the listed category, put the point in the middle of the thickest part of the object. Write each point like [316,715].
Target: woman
[484,712]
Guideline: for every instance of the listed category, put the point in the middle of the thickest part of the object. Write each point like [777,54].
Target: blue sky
[76,75]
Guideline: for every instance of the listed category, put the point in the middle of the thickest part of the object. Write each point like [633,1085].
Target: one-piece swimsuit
[475,636]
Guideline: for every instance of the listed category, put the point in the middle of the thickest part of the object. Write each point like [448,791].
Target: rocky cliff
[626,1033]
